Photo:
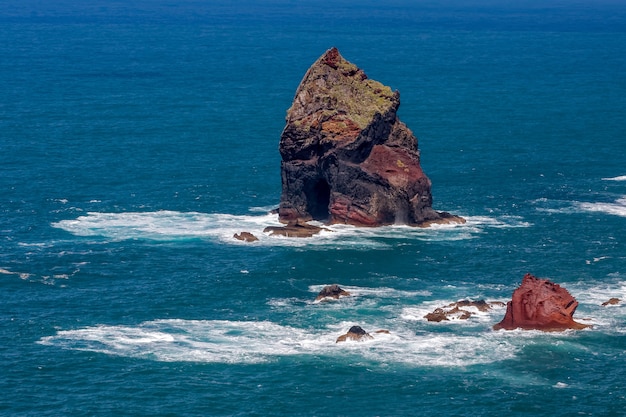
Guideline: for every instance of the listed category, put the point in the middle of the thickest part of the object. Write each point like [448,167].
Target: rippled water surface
[135,140]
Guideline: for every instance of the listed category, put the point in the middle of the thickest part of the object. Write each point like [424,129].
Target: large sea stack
[346,157]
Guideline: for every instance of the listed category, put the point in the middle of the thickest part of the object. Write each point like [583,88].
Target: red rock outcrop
[346,157]
[538,304]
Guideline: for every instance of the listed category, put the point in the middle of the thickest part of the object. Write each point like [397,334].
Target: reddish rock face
[539,304]
[346,157]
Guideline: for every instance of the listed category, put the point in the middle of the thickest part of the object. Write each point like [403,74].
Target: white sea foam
[382,292]
[620,178]
[22,275]
[617,208]
[166,225]
[172,225]
[610,318]
[418,313]
[255,342]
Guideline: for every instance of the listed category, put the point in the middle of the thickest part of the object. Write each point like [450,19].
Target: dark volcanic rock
[355,333]
[439,314]
[294,229]
[540,305]
[346,157]
[332,291]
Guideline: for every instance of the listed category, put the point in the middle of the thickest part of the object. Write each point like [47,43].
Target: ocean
[137,137]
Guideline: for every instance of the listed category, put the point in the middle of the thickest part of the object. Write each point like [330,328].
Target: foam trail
[618,208]
[172,225]
[619,178]
[220,341]
[22,275]
[374,292]
[165,225]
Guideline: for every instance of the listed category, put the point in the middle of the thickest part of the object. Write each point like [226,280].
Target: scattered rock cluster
[458,310]
[537,304]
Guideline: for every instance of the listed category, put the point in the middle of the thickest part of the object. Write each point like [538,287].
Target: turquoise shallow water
[135,140]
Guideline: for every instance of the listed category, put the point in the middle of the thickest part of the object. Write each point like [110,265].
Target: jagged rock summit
[346,157]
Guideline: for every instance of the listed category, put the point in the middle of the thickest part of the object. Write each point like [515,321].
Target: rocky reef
[538,304]
[611,302]
[357,334]
[245,237]
[330,292]
[461,310]
[347,158]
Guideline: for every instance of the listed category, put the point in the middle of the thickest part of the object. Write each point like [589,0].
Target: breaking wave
[218,341]
[620,178]
[173,225]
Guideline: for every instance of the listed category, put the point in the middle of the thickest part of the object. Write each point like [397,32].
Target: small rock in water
[296,229]
[332,291]
[611,301]
[245,237]
[355,333]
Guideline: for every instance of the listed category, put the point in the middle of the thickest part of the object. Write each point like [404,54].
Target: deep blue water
[136,139]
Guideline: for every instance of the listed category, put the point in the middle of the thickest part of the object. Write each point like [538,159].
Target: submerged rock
[332,291]
[246,237]
[538,304]
[295,229]
[611,301]
[346,157]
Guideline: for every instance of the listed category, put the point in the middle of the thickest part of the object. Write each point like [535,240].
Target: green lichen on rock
[334,83]
[346,157]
